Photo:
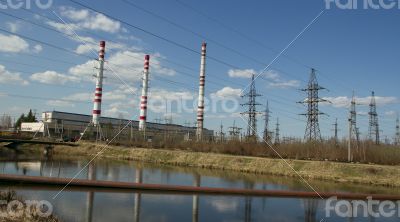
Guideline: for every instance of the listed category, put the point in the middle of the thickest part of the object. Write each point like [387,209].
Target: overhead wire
[216,83]
[98,12]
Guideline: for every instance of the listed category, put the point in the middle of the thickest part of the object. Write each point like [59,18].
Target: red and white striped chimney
[143,98]
[99,86]
[200,107]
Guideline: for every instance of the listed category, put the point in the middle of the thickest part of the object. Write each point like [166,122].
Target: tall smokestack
[99,86]
[143,99]
[200,107]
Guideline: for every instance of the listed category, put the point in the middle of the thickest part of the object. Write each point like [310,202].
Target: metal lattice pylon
[373,129]
[252,110]
[335,130]
[267,115]
[397,136]
[277,133]
[313,132]
[353,129]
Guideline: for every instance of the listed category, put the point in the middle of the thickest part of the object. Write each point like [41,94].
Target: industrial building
[72,124]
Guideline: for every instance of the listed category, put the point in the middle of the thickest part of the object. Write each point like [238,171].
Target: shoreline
[367,174]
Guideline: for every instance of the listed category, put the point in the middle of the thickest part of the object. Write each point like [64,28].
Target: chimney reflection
[310,210]
[195,209]
[138,196]
[247,204]
[90,196]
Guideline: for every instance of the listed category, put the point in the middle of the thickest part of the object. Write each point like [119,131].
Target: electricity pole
[313,132]
[252,111]
[373,121]
[353,129]
[277,133]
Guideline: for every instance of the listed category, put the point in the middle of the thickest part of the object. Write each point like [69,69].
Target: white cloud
[84,19]
[81,97]
[69,101]
[338,102]
[284,84]
[241,73]
[15,44]
[102,23]
[391,113]
[75,15]
[222,205]
[8,77]
[60,103]
[158,99]
[128,65]
[163,94]
[227,92]
[120,94]
[362,113]
[273,77]
[64,28]
[12,43]
[37,48]
[52,77]
[89,45]
[276,81]
[116,112]
[84,71]
[344,101]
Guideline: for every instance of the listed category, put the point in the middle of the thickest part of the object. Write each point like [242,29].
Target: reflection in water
[90,196]
[310,210]
[48,163]
[195,209]
[93,206]
[138,196]
[264,187]
[247,204]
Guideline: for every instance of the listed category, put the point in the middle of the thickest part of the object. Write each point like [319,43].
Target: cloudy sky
[47,59]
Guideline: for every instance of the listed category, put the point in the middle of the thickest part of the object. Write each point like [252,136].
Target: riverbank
[379,175]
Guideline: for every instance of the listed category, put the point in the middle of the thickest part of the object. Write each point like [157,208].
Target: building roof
[103,117]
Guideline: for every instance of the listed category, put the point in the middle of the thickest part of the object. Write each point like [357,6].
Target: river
[92,205]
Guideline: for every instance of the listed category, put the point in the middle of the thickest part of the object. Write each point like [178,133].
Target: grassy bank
[24,213]
[322,170]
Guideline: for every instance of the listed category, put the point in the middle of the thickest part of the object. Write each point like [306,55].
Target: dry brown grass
[365,152]
[323,170]
[10,195]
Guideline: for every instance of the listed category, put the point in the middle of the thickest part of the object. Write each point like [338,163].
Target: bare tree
[5,122]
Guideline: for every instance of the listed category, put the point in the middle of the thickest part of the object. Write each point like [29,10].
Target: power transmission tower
[335,129]
[267,133]
[373,121]
[187,125]
[234,131]
[397,137]
[252,111]
[313,132]
[221,133]
[353,129]
[277,133]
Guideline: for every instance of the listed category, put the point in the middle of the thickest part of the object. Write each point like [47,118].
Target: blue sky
[351,49]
